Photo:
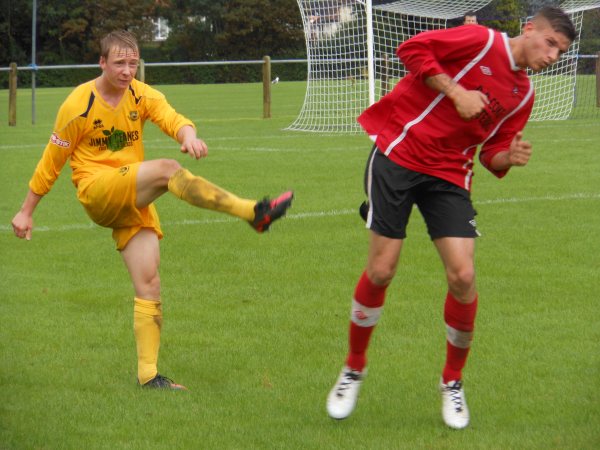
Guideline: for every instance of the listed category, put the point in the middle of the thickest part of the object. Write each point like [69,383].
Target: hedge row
[238,73]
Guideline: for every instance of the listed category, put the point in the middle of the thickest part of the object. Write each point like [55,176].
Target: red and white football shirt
[420,129]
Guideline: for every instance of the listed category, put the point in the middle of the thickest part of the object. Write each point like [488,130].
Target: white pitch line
[314,214]
[575,196]
[169,142]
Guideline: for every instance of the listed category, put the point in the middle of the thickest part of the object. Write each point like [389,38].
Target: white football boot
[341,401]
[454,404]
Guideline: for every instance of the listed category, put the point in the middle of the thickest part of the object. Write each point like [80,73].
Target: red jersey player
[466,87]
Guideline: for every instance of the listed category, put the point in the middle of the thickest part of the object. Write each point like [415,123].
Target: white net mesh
[427,8]
[388,68]
[335,35]
[579,5]
[338,54]
[343,68]
[586,104]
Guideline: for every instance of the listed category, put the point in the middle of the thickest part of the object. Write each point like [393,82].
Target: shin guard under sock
[202,193]
[460,323]
[147,323]
[367,306]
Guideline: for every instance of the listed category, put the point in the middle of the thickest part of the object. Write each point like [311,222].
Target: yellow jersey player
[99,131]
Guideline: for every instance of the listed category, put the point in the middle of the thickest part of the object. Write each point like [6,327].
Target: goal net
[351,51]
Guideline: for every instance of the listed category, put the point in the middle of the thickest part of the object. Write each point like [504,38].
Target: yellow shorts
[109,199]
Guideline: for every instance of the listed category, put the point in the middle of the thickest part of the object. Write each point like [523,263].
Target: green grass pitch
[256,325]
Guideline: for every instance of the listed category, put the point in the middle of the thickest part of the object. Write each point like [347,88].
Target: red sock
[460,321]
[367,306]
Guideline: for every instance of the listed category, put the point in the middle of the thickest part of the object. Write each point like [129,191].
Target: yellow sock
[147,322]
[202,193]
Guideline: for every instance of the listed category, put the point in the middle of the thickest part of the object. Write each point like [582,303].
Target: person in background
[470,18]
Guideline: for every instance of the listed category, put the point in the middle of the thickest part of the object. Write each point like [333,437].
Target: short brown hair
[558,20]
[120,39]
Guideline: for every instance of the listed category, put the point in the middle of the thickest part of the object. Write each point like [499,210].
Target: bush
[51,78]
[237,73]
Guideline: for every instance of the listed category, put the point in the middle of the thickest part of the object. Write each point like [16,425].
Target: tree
[232,29]
[68,31]
[72,28]
[15,32]
[503,15]
[193,24]
[254,28]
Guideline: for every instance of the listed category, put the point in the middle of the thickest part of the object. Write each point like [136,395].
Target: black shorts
[393,190]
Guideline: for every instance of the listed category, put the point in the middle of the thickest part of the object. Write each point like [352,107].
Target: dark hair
[469,13]
[558,20]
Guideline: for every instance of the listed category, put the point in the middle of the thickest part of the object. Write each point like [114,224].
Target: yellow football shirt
[96,136]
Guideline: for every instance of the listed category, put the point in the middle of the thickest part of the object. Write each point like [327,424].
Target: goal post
[370,56]
[351,53]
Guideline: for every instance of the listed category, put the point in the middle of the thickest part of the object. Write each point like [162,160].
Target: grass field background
[256,325]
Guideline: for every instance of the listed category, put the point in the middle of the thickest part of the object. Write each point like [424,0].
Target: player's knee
[381,274]
[168,167]
[154,284]
[149,287]
[461,280]
[163,170]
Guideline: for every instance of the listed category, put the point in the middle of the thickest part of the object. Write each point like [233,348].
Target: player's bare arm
[468,103]
[518,154]
[22,223]
[190,143]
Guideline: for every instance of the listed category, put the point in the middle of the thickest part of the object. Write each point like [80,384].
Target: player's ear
[529,26]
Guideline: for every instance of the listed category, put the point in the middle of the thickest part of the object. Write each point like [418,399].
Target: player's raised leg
[157,176]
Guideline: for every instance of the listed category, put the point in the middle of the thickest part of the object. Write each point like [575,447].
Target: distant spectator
[470,18]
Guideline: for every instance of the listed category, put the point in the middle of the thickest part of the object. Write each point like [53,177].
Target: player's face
[470,20]
[543,45]
[120,66]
